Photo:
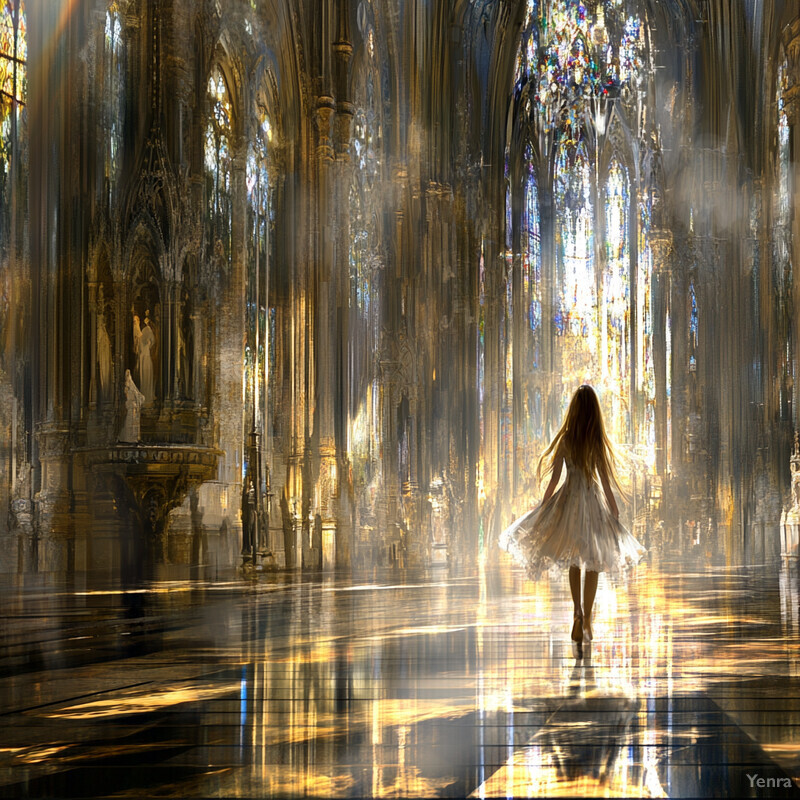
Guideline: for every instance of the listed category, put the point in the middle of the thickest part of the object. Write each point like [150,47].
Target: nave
[405,684]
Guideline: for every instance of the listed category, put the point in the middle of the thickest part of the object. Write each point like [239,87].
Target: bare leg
[575,588]
[589,591]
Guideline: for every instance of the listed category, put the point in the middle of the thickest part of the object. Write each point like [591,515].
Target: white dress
[574,527]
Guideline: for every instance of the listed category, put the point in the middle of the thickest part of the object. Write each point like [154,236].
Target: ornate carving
[661,247]
[175,455]
[791,95]
[326,108]
[155,194]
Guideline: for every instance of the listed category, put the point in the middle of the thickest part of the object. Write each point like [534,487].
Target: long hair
[582,436]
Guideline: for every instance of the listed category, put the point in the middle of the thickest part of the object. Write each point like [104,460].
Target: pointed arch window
[783,261]
[528,408]
[365,264]
[532,260]
[218,161]
[576,312]
[13,75]
[616,296]
[360,233]
[575,63]
[644,330]
[527,52]
[260,221]
[113,94]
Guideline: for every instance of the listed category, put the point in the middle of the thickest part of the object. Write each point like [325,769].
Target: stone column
[791,41]
[325,340]
[55,551]
[661,248]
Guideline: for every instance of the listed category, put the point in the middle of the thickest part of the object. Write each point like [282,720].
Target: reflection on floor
[405,686]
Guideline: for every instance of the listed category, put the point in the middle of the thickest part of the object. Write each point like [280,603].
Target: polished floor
[405,685]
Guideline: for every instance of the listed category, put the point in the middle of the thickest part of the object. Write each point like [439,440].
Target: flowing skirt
[574,527]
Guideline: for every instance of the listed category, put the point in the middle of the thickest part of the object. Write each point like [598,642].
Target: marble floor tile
[401,684]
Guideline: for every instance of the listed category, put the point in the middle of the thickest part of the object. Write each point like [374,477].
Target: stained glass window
[572,57]
[529,429]
[113,88]
[13,74]
[218,161]
[576,313]
[616,301]
[644,331]
[365,257]
[784,199]
[363,158]
[527,53]
[13,52]
[259,222]
[570,53]
[532,261]
[782,267]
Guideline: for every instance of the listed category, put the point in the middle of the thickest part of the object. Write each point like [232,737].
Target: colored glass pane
[575,317]
[218,159]
[22,33]
[259,220]
[7,45]
[13,51]
[113,94]
[575,240]
[6,76]
[532,263]
[616,301]
[572,51]
[644,345]
[364,394]
[13,79]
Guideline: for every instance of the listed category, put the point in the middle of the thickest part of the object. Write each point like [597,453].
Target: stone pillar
[55,543]
[16,548]
[791,97]
[326,338]
[94,378]
[790,518]
[661,247]
[337,539]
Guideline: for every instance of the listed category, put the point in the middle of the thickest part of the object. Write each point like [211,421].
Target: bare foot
[577,627]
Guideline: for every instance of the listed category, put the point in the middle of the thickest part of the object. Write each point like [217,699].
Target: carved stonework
[661,247]
[159,479]
[343,129]
[790,519]
[791,95]
[326,108]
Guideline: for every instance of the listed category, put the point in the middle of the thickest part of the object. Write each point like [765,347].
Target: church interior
[293,296]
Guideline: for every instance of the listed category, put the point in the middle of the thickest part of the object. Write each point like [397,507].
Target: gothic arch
[144,298]
[619,140]
[233,72]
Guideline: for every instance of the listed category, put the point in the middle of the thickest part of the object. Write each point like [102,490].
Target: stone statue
[790,518]
[104,357]
[184,365]
[186,345]
[143,341]
[134,400]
